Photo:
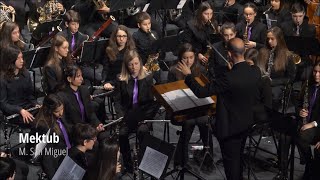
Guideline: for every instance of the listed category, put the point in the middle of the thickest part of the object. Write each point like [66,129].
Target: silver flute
[29,110]
[102,94]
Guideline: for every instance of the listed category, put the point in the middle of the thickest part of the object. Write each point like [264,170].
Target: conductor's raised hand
[183,68]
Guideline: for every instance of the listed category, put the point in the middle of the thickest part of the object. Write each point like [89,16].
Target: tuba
[152,63]
[7,14]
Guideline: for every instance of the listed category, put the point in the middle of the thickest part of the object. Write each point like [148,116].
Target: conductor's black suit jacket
[235,91]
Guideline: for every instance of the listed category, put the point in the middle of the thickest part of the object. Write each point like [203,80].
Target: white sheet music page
[179,100]
[40,146]
[181,4]
[153,162]
[145,8]
[198,101]
[69,170]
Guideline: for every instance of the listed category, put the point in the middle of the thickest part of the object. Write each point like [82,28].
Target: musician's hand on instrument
[26,116]
[100,127]
[250,44]
[307,1]
[183,68]
[202,58]
[11,10]
[3,154]
[104,10]
[307,126]
[108,86]
[317,146]
[145,69]
[38,105]
[91,97]
[303,113]
[60,7]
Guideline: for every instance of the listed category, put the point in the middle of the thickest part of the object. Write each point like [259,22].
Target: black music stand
[226,14]
[158,145]
[35,58]
[303,46]
[163,5]
[120,5]
[44,30]
[91,52]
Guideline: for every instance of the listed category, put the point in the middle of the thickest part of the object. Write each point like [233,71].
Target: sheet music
[181,4]
[145,8]
[153,162]
[40,146]
[69,170]
[184,99]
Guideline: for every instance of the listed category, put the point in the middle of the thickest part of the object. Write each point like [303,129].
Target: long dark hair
[112,49]
[199,24]
[71,71]
[107,159]
[8,167]
[9,55]
[45,118]
[281,51]
[5,35]
[311,78]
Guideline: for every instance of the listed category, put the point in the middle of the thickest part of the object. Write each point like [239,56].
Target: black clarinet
[16,115]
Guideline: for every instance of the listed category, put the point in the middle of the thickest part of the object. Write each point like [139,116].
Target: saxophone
[5,12]
[245,34]
[152,63]
[270,63]
[49,12]
[305,101]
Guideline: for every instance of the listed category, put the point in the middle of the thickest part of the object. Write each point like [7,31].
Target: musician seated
[10,35]
[134,101]
[309,108]
[8,168]
[16,86]
[263,101]
[107,165]
[186,55]
[50,116]
[144,37]
[120,42]
[277,14]
[93,16]
[84,138]
[298,24]
[76,100]
[44,15]
[58,60]
[231,11]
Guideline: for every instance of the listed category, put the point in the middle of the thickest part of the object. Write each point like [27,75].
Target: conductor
[235,91]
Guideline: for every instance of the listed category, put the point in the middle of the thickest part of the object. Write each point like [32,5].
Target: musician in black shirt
[16,87]
[278,13]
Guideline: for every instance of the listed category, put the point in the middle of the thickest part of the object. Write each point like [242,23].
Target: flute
[113,122]
[29,110]
[265,12]
[102,94]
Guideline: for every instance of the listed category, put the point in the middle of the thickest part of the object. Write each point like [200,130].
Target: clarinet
[136,171]
[98,87]
[29,110]
[305,101]
[270,63]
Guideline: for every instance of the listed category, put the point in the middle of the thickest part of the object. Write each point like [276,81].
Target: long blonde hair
[125,72]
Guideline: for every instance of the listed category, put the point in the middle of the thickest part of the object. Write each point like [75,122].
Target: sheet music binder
[93,51]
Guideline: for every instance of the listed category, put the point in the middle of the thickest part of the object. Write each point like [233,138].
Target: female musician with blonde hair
[120,42]
[16,94]
[58,60]
[134,101]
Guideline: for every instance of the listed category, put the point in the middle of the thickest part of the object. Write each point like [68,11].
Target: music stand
[35,58]
[91,52]
[44,29]
[158,145]
[226,14]
[304,46]
[163,5]
[120,5]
